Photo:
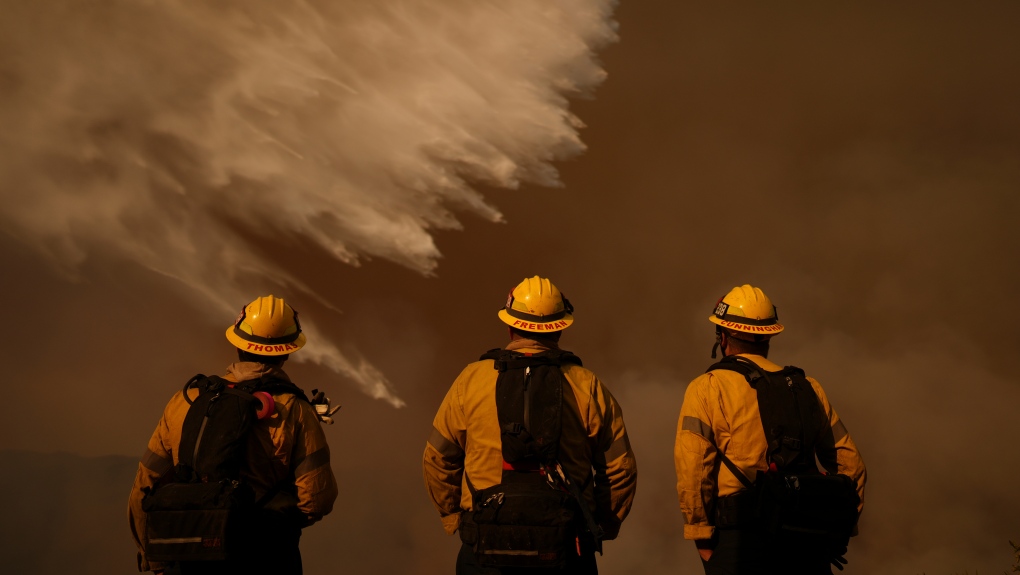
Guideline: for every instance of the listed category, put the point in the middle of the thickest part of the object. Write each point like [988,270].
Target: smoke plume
[857,161]
[206,142]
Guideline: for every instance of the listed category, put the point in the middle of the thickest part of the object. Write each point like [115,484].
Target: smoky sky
[168,134]
[860,163]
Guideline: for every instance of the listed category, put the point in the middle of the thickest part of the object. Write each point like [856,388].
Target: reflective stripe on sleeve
[175,540]
[445,447]
[619,448]
[695,425]
[838,431]
[312,462]
[156,463]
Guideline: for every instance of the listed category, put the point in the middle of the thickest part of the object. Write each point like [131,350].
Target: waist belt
[737,510]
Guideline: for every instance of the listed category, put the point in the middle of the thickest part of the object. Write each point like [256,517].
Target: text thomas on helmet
[257,348]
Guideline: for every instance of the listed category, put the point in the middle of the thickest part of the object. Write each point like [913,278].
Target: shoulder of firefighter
[720,413]
[289,443]
[465,450]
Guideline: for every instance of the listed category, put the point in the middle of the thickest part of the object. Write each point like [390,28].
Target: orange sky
[859,163]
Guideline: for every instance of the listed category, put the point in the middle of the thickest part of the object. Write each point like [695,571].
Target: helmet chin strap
[718,341]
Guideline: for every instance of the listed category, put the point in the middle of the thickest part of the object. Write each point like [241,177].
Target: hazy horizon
[392,170]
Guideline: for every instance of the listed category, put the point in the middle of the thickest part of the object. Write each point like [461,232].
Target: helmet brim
[261,348]
[742,327]
[536,326]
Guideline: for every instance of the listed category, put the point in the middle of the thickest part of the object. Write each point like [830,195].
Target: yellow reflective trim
[175,540]
[619,448]
[312,462]
[838,431]
[156,463]
[695,425]
[445,447]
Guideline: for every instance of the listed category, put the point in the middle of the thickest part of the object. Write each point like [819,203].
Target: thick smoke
[194,139]
[857,161]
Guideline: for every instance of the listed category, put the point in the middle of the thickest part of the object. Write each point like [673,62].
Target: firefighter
[722,454]
[466,455]
[285,458]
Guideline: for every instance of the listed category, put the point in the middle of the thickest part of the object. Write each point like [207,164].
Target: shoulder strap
[750,370]
[244,388]
[568,357]
[493,353]
[788,408]
[745,367]
[735,470]
[752,374]
[199,382]
[278,386]
[504,359]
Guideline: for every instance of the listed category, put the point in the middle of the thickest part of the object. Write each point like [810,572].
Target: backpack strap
[745,367]
[788,420]
[504,359]
[752,373]
[215,384]
[735,470]
[271,385]
[197,382]
[493,353]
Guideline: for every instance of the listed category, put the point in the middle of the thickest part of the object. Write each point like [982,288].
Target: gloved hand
[838,560]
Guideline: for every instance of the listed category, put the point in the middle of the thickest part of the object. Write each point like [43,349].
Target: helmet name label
[749,328]
[552,326]
[257,348]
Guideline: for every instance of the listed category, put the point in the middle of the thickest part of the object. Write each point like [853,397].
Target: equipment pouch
[196,521]
[810,506]
[527,524]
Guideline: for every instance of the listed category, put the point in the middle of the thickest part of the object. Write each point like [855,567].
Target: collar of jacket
[531,346]
[245,370]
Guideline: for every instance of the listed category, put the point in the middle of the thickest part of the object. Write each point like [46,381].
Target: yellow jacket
[465,443]
[290,443]
[720,413]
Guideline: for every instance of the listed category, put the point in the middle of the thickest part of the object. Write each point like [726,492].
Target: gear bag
[793,500]
[205,511]
[531,518]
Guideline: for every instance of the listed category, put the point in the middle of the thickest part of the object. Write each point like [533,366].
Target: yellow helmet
[267,326]
[747,309]
[536,305]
